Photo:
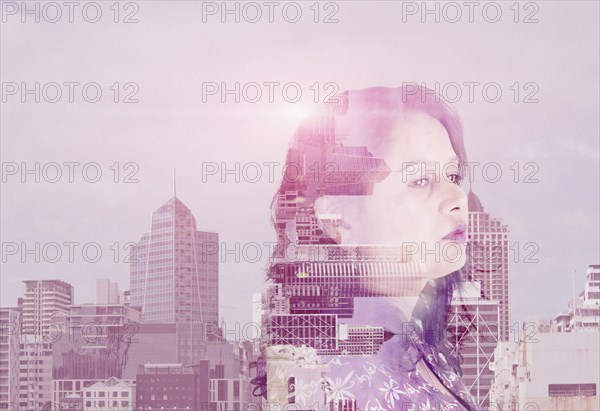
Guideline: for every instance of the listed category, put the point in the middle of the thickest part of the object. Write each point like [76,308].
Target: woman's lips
[459,234]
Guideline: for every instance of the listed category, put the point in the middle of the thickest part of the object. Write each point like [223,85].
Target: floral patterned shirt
[391,380]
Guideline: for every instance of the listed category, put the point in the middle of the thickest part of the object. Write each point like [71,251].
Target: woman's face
[418,204]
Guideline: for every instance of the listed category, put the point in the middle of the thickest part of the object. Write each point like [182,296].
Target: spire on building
[174,182]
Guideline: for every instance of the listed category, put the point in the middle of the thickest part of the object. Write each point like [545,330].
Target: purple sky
[170,52]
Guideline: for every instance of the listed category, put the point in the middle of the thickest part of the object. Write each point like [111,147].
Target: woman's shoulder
[371,383]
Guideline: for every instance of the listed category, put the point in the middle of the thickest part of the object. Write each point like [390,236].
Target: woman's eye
[420,183]
[455,178]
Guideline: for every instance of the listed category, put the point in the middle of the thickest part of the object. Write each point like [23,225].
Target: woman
[371,225]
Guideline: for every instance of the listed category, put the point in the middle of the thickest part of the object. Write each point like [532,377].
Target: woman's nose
[453,198]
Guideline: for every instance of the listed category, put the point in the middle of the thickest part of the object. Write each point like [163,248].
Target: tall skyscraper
[174,269]
[480,314]
[488,260]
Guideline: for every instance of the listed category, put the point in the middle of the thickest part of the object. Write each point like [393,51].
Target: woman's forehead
[418,137]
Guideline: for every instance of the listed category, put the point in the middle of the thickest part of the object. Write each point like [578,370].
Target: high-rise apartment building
[44,306]
[10,319]
[174,269]
[35,373]
[44,302]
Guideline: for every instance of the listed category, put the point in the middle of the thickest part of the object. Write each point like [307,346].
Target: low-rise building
[113,394]
[553,366]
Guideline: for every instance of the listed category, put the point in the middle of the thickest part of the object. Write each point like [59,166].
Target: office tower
[488,256]
[478,322]
[174,269]
[10,335]
[473,327]
[44,303]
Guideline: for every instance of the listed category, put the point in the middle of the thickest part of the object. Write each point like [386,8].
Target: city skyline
[123,283]
[558,134]
[586,317]
[102,101]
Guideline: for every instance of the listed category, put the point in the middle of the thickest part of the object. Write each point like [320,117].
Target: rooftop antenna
[573,302]
[174,183]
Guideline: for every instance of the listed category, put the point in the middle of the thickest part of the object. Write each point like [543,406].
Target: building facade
[172,387]
[480,316]
[547,371]
[553,365]
[96,319]
[231,394]
[44,307]
[10,336]
[583,312]
[108,292]
[473,325]
[174,269]
[35,373]
[488,260]
[43,303]
[110,395]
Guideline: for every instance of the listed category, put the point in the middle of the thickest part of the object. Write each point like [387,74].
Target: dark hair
[367,118]
[431,314]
